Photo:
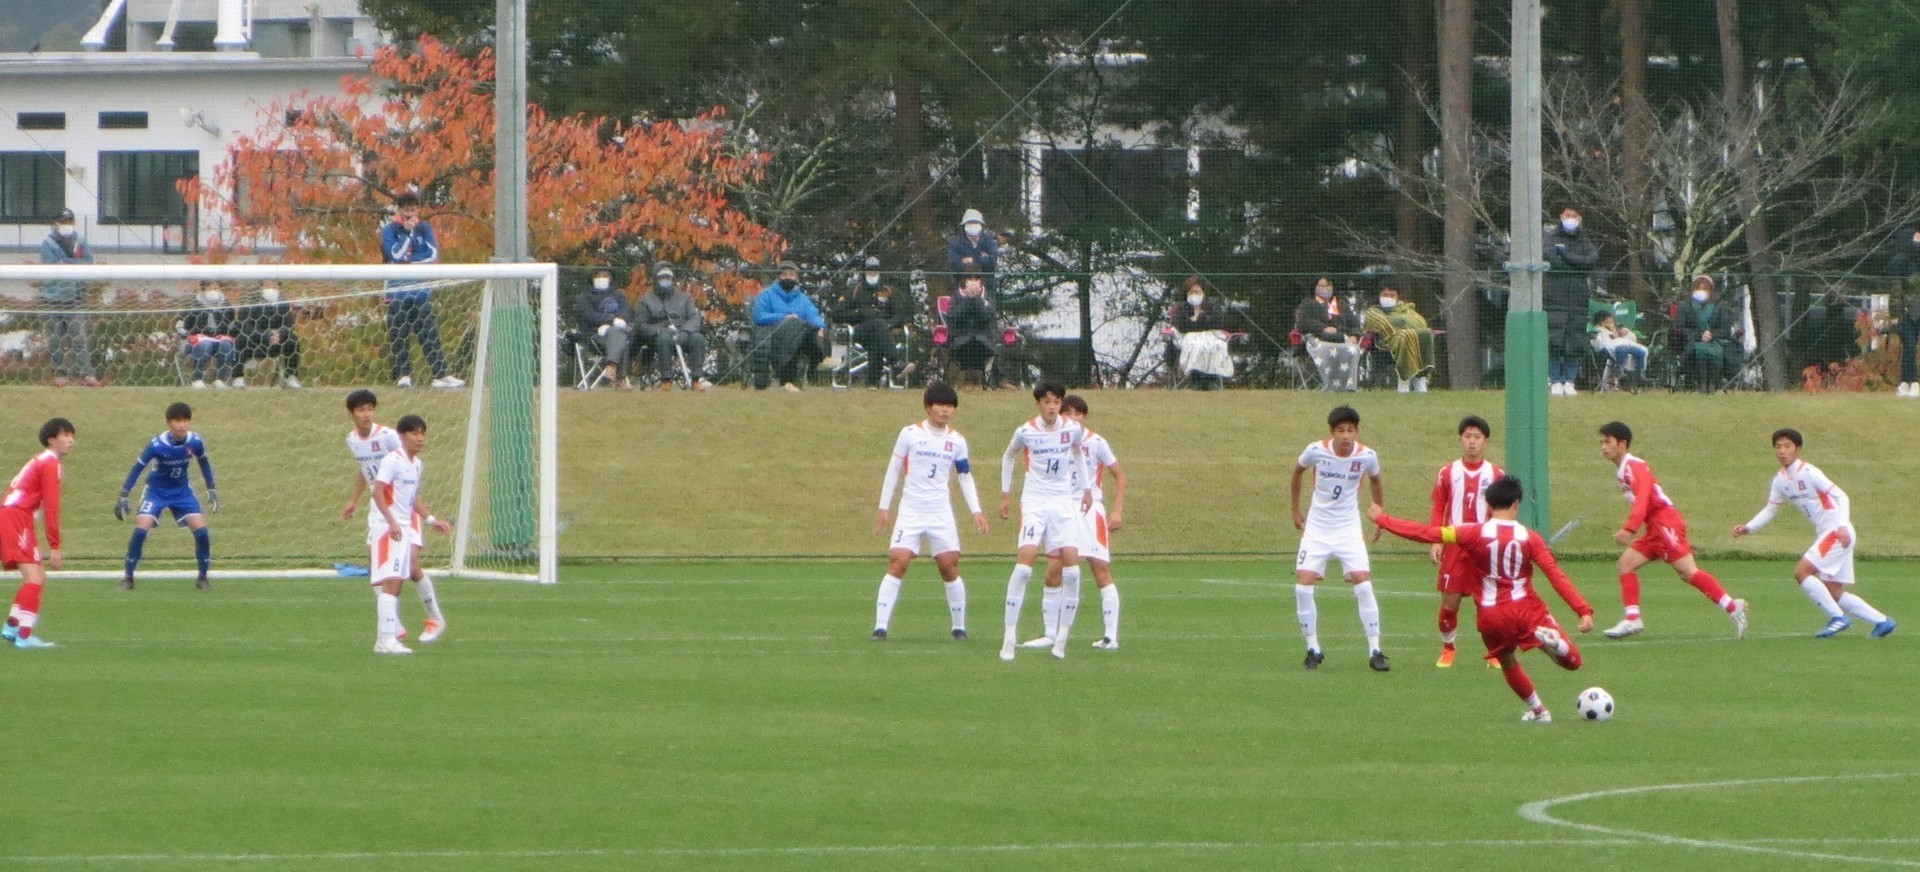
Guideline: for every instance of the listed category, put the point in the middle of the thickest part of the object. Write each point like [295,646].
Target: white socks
[428,600]
[1369,614]
[1016,597]
[1308,613]
[1110,611]
[1050,601]
[1858,608]
[1817,591]
[957,602]
[883,604]
[386,607]
[1069,601]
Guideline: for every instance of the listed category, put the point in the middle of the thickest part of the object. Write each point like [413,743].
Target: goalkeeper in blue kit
[169,489]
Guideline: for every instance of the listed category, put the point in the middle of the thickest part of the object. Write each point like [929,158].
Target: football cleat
[1106,643]
[1552,641]
[1007,650]
[11,633]
[199,384]
[1626,627]
[202,583]
[1537,716]
[1834,628]
[1038,644]
[1493,662]
[959,635]
[28,643]
[1377,662]
[240,383]
[1314,659]
[1060,648]
[291,382]
[406,381]
[1884,628]
[1446,659]
[447,381]
[431,632]
[879,635]
[1739,616]
[390,646]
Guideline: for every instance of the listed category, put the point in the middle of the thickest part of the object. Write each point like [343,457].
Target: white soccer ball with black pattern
[1596,704]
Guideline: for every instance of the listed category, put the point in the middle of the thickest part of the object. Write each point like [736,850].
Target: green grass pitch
[719,716]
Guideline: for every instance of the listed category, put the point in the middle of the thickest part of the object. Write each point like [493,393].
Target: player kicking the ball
[1459,498]
[924,456]
[1051,500]
[369,443]
[1095,545]
[1332,530]
[170,488]
[1825,571]
[1502,553]
[393,529]
[1665,537]
[35,488]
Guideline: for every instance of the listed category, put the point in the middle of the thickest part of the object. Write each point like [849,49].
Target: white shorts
[1093,535]
[939,534]
[1832,560]
[1349,546]
[1056,524]
[389,559]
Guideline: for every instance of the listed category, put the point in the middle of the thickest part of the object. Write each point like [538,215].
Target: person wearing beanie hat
[673,326]
[69,348]
[974,246]
[1712,356]
[875,311]
[605,317]
[788,330]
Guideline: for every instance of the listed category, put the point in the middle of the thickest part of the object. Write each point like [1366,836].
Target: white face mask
[63,229]
[873,280]
[1323,293]
[973,229]
[1195,300]
[1699,296]
[1389,302]
[602,283]
[1571,225]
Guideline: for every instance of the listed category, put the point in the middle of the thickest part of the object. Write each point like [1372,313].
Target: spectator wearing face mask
[1404,332]
[788,330]
[606,316]
[209,329]
[669,320]
[68,347]
[1571,257]
[1708,324]
[1331,329]
[1199,327]
[977,248]
[266,331]
[875,311]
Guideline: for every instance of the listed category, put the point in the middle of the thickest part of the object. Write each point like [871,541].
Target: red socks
[1518,680]
[1630,593]
[1710,586]
[1449,622]
[26,609]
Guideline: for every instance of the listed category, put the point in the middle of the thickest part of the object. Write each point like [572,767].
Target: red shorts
[19,543]
[1663,542]
[1509,626]
[1457,572]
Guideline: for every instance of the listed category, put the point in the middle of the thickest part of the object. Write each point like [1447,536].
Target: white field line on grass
[1541,812]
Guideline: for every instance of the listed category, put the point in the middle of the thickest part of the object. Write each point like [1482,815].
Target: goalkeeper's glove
[122,508]
[213,498]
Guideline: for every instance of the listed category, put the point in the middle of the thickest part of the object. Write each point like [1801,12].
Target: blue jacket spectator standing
[410,239]
[977,248]
[788,330]
[68,347]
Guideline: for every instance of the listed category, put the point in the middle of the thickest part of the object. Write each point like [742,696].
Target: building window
[123,121]
[33,185]
[42,120]
[142,187]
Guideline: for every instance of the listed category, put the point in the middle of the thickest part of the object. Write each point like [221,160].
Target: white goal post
[509,282]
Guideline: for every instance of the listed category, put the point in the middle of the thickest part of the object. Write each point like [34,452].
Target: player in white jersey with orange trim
[1825,571]
[369,443]
[1095,546]
[393,529]
[1459,498]
[924,457]
[1331,529]
[1051,500]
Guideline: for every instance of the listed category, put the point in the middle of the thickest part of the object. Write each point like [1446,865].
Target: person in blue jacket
[408,238]
[788,330]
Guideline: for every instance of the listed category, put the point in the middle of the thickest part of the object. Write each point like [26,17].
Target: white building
[165,89]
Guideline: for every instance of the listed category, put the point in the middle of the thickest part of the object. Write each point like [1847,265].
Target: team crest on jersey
[1355,467]
[949,446]
[1802,484]
[1066,438]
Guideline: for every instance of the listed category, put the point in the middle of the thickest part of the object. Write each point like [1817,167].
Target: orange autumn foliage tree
[321,173]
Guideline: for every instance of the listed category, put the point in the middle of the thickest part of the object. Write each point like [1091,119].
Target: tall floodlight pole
[511,433]
[1526,320]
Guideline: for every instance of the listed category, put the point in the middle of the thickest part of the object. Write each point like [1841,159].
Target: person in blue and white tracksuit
[169,488]
[410,239]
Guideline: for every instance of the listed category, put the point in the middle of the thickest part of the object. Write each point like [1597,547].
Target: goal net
[266,356]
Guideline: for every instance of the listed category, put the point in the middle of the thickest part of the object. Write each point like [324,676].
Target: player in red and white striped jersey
[36,488]
[1458,492]
[1825,571]
[1665,537]
[1502,553]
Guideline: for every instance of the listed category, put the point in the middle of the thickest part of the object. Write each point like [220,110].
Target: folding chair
[589,361]
[1297,364]
[855,359]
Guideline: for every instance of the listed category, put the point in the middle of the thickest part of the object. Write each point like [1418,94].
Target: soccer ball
[1596,704]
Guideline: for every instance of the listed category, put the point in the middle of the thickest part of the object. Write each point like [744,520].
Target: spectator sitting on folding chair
[209,330]
[875,312]
[789,333]
[674,327]
[973,329]
[1622,347]
[1331,330]
[606,316]
[1199,326]
[266,331]
[1405,334]
[1708,326]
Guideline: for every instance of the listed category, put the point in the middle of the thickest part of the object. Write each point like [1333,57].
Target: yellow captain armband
[1449,536]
